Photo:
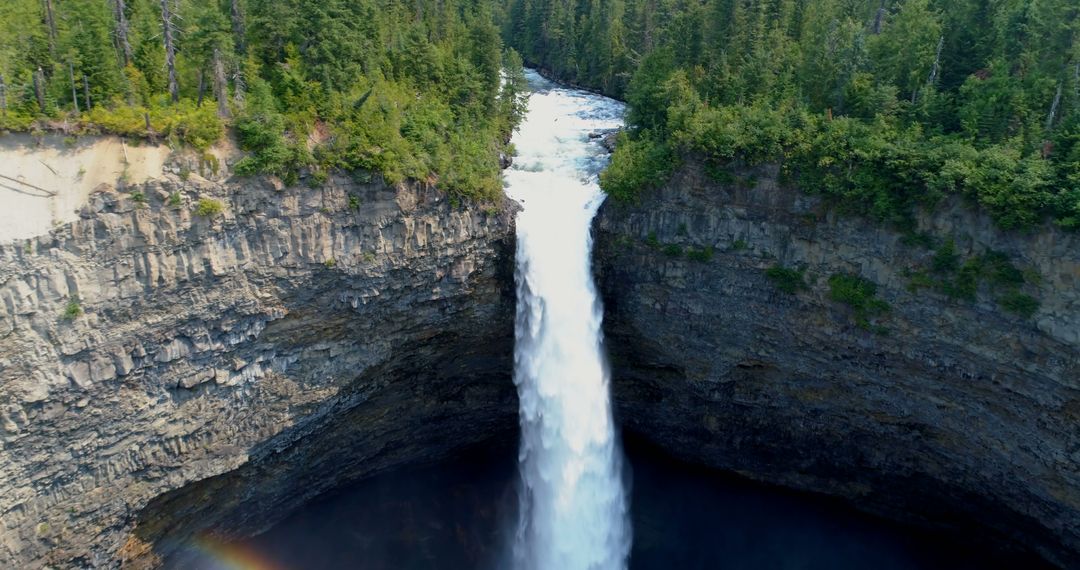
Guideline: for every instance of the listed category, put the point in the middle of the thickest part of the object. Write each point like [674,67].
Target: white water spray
[574,508]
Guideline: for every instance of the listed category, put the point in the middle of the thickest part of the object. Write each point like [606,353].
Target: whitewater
[574,510]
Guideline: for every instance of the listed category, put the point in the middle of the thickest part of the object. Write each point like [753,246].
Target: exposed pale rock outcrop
[45,180]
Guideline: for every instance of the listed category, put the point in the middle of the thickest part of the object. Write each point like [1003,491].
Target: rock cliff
[935,409]
[167,377]
[147,351]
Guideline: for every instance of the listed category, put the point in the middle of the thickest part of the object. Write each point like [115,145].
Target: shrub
[121,120]
[859,294]
[175,199]
[945,258]
[851,290]
[703,255]
[199,127]
[918,239]
[962,281]
[964,284]
[318,177]
[1000,269]
[673,250]
[16,121]
[196,126]
[787,280]
[1019,303]
[639,163]
[208,160]
[719,174]
[73,310]
[209,208]
[918,280]
[138,197]
[354,203]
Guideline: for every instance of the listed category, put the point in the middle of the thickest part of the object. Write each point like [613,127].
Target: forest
[880,105]
[409,89]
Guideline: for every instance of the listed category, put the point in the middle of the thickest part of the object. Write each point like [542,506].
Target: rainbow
[220,555]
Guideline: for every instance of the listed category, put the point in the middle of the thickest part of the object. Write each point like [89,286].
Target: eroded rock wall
[953,411]
[217,372]
[145,348]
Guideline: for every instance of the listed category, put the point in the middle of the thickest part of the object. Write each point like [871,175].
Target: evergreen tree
[901,91]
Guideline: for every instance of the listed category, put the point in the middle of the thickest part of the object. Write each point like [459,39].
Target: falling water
[574,509]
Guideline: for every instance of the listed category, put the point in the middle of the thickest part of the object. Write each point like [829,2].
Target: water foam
[574,506]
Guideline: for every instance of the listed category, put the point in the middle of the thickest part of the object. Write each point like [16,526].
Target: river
[574,513]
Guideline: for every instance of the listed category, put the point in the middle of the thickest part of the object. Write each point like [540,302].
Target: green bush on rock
[73,309]
[787,280]
[860,295]
[1018,303]
[209,208]
[959,278]
[701,255]
[638,163]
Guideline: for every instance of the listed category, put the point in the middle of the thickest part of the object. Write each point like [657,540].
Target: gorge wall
[218,371]
[939,409]
[158,368]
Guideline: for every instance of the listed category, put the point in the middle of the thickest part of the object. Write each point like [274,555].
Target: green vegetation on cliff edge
[407,89]
[880,105]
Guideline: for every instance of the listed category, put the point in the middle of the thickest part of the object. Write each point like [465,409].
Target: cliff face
[144,348]
[939,409]
[165,375]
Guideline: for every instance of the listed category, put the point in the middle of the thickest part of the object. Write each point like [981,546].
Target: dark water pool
[459,515]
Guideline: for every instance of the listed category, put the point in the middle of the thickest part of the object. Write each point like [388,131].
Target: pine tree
[168,33]
[122,31]
[904,52]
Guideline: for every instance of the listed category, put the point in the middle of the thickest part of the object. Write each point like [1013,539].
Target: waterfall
[574,507]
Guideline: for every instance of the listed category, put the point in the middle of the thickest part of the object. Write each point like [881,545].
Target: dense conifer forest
[405,88]
[880,104]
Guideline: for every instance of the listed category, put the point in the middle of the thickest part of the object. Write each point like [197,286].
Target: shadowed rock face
[954,412]
[225,370]
[235,366]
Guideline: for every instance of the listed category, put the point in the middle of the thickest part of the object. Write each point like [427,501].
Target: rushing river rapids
[574,509]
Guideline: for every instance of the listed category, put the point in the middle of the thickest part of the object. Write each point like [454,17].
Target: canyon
[217,371]
[222,370]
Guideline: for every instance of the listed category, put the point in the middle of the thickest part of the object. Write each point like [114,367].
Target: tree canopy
[880,104]
[404,88]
